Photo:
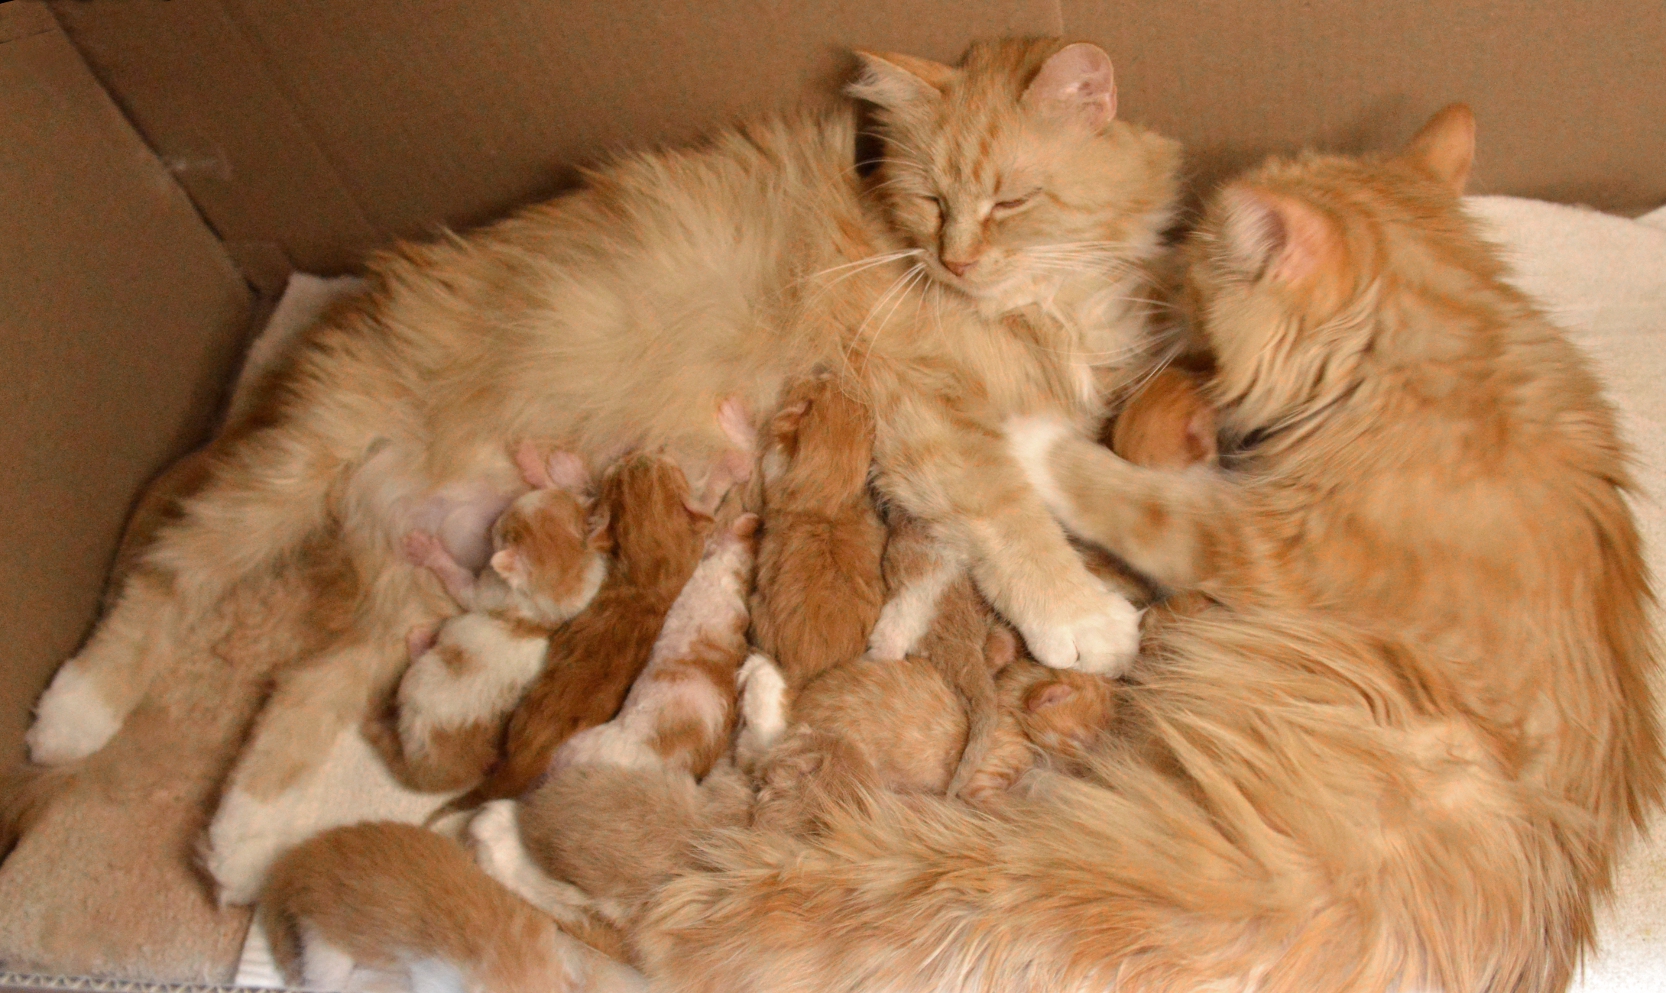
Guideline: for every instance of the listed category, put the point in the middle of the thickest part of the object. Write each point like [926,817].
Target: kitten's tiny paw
[422,548]
[72,721]
[763,693]
[496,839]
[1102,641]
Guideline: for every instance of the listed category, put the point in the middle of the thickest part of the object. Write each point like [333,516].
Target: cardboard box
[164,164]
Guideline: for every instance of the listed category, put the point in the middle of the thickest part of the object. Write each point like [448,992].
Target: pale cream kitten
[620,314]
[396,897]
[681,709]
[549,559]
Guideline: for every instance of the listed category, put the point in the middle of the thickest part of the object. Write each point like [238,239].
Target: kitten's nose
[959,268]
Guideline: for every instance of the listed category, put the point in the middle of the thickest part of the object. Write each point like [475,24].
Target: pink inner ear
[506,564]
[567,471]
[1270,232]
[1078,80]
[533,470]
[1051,696]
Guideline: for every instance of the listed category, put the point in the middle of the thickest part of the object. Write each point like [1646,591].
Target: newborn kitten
[901,723]
[1167,425]
[548,562]
[593,660]
[393,896]
[1041,711]
[819,589]
[659,533]
[611,833]
[681,710]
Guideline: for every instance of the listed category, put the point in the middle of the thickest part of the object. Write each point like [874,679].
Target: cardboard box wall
[163,164]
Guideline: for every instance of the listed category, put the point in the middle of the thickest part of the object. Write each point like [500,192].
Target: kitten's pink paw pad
[422,549]
[72,721]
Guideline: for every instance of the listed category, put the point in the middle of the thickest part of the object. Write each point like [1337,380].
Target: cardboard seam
[280,86]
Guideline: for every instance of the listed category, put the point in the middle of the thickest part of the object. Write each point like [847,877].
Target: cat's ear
[1077,82]
[894,81]
[1268,233]
[1445,147]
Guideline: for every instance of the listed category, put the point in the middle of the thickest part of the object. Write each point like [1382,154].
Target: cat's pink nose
[959,268]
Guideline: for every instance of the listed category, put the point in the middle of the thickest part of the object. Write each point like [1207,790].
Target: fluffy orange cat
[1403,746]
[618,315]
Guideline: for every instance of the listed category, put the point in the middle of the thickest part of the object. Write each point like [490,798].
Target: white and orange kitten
[549,559]
[395,897]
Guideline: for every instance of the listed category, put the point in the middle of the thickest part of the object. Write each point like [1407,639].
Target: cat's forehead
[973,142]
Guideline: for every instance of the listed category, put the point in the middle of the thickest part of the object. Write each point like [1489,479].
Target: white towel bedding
[1603,278]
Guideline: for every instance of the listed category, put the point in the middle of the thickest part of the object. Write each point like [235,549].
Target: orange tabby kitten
[819,590]
[903,721]
[548,562]
[1404,749]
[1169,424]
[617,315]
[393,896]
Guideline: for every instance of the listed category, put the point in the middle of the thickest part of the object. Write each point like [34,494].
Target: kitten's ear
[1445,147]
[1266,232]
[1078,82]
[600,538]
[506,562]
[895,81]
[1049,694]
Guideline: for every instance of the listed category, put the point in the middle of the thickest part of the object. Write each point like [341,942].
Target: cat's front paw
[72,721]
[1031,439]
[1100,640]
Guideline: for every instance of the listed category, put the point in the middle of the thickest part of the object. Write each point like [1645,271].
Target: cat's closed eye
[1015,202]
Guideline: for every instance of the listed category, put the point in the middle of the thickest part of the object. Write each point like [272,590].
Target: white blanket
[1600,276]
[1604,279]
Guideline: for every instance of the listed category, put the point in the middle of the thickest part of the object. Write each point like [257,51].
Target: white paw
[71,720]
[763,709]
[496,840]
[1102,641]
[1030,439]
